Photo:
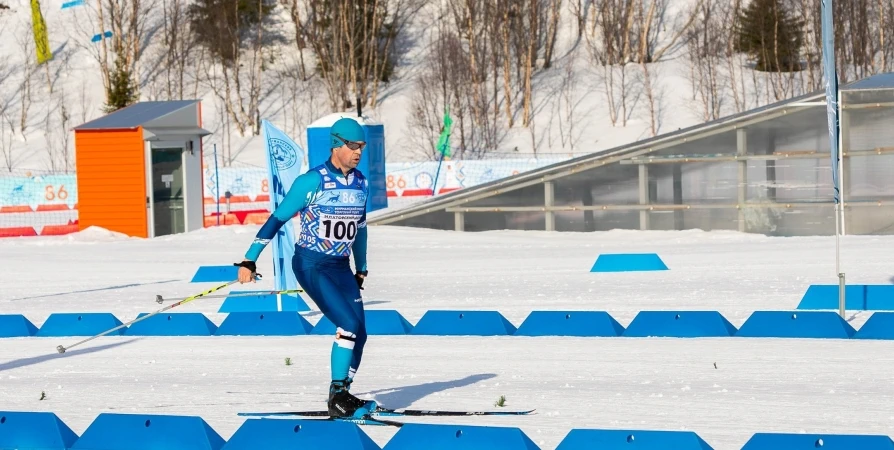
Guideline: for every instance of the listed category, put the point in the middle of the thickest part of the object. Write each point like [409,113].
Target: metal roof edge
[86,126]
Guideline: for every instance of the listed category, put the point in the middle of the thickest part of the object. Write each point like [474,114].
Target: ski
[429,412]
[385,412]
[324,416]
[366,420]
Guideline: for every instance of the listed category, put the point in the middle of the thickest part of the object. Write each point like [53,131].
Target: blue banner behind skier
[285,161]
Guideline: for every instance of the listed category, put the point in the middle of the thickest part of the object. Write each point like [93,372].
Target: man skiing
[330,201]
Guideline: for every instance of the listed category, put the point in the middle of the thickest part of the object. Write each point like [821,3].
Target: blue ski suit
[331,207]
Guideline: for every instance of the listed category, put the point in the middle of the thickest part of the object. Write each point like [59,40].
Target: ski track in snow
[758,385]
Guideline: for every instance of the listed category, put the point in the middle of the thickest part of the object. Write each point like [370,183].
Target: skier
[331,201]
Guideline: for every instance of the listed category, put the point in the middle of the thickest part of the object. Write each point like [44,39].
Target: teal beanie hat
[347,129]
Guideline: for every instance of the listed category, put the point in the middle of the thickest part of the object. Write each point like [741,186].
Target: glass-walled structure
[764,171]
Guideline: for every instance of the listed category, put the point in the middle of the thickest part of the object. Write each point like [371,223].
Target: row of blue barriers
[682,324]
[113,431]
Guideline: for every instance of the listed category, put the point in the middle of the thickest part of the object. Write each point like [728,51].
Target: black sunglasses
[351,145]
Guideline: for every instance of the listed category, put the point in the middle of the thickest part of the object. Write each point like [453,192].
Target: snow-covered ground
[724,389]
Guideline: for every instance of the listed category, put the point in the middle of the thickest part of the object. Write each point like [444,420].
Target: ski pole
[159,299]
[62,349]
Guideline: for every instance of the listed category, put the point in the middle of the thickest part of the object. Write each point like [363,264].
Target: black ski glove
[250,265]
[359,278]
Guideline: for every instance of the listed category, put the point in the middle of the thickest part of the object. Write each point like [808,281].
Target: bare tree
[579,9]
[442,82]
[299,96]
[860,46]
[126,20]
[655,97]
[477,26]
[226,150]
[65,133]
[808,12]
[7,72]
[552,29]
[354,43]
[567,103]
[29,67]
[234,76]
[883,9]
[735,62]
[886,22]
[646,17]
[534,34]
[307,105]
[295,13]
[657,32]
[9,156]
[402,12]
[86,103]
[470,21]
[609,42]
[509,22]
[863,46]
[639,31]
[705,50]
[178,47]
[50,145]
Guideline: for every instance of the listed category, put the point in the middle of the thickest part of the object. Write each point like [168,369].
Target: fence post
[216,185]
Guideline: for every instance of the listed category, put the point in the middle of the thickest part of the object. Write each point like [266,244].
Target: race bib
[338,228]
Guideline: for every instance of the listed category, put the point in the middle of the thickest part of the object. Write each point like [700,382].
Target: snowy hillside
[571,112]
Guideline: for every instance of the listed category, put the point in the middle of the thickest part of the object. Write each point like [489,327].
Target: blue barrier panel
[586,439]
[800,324]
[249,303]
[79,324]
[282,323]
[148,432]
[378,322]
[784,441]
[414,436]
[16,325]
[628,262]
[34,431]
[858,297]
[215,274]
[679,324]
[262,303]
[879,326]
[879,297]
[569,323]
[175,324]
[463,323]
[257,434]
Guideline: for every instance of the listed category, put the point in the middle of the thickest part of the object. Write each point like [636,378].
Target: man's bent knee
[345,339]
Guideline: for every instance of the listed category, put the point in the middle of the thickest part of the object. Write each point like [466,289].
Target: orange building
[139,169]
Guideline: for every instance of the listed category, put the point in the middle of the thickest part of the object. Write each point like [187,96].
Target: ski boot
[343,404]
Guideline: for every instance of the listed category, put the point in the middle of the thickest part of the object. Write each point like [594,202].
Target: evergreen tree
[122,90]
[768,33]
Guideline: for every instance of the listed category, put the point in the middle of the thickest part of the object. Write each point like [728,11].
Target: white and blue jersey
[335,215]
[332,211]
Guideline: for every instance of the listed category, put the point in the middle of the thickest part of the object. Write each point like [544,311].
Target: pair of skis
[377,416]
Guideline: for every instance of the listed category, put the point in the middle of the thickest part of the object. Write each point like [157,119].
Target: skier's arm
[302,191]
[359,247]
[360,243]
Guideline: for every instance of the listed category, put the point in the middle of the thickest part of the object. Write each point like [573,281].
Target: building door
[169,214]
